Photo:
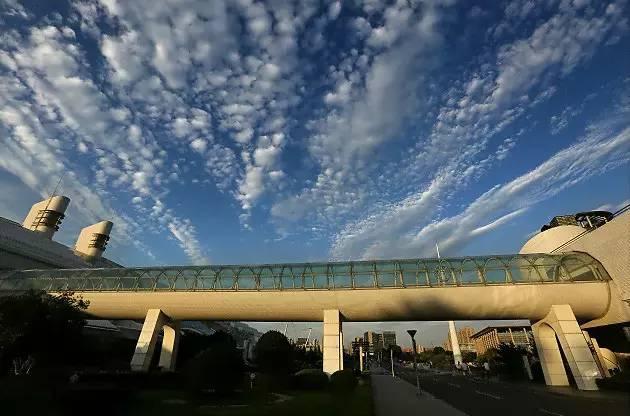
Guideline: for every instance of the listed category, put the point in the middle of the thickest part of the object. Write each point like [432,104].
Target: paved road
[474,397]
[393,396]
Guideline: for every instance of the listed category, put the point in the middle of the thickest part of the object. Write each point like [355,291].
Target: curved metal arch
[399,273]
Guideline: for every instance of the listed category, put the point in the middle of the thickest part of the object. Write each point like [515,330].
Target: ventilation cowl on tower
[93,239]
[45,216]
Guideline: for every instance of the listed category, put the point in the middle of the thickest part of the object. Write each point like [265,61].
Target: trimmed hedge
[343,381]
[618,382]
[310,379]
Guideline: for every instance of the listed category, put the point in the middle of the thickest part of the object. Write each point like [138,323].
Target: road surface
[474,396]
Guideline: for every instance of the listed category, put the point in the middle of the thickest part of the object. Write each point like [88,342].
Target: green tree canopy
[273,353]
[219,367]
[42,326]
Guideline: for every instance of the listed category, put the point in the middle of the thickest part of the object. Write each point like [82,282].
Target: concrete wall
[610,245]
[546,241]
[588,300]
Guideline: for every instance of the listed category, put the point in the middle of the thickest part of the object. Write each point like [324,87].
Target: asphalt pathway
[475,396]
[393,396]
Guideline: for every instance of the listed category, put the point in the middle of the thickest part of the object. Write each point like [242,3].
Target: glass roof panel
[482,270]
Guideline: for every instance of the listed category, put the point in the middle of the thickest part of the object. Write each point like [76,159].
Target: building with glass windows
[493,336]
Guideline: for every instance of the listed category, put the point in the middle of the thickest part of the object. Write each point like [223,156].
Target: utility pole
[361,357]
[391,357]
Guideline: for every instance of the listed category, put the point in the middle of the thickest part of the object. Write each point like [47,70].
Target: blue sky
[244,132]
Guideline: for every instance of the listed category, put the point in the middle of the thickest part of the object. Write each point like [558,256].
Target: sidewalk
[393,396]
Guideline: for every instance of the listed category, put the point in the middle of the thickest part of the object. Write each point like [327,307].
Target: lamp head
[412,332]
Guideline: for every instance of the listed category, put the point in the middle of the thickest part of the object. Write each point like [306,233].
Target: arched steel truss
[403,273]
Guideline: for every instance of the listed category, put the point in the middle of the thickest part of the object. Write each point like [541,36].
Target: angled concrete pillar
[170,344]
[560,322]
[151,328]
[155,321]
[549,355]
[457,354]
[333,341]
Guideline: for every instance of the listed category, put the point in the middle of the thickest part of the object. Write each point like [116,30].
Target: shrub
[274,354]
[310,379]
[510,360]
[619,382]
[343,381]
[219,367]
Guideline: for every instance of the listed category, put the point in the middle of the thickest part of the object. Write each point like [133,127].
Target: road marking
[489,395]
[550,412]
[454,385]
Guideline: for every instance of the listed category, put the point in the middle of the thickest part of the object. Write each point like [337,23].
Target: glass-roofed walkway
[405,273]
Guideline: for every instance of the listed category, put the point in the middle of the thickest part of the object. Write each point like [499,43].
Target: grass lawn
[24,397]
[303,403]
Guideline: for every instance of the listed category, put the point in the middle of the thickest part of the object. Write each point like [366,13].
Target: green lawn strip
[303,403]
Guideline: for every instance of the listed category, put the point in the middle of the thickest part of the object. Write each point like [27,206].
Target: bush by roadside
[310,379]
[343,381]
[618,382]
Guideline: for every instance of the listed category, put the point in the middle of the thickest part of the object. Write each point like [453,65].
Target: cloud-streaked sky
[246,131]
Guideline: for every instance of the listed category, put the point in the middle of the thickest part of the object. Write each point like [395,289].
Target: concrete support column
[155,321]
[560,322]
[457,354]
[170,344]
[333,341]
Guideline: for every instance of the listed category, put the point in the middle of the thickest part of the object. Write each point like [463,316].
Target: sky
[259,132]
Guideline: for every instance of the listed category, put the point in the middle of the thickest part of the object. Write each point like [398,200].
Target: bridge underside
[588,300]
[537,287]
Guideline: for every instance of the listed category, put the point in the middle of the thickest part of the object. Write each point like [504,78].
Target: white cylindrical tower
[92,240]
[45,216]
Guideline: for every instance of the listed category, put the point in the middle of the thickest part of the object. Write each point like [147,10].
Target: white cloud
[334,9]
[199,145]
[400,232]
[186,235]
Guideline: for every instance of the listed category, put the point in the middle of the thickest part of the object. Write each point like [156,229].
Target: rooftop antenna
[54,192]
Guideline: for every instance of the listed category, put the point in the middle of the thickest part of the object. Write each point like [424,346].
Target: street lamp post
[412,334]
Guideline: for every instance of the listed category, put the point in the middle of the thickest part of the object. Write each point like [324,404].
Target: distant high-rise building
[464,339]
[358,341]
[389,339]
[374,340]
[492,336]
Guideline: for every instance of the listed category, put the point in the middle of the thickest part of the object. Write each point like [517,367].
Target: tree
[469,356]
[274,353]
[219,367]
[397,351]
[41,327]
[509,360]
[438,350]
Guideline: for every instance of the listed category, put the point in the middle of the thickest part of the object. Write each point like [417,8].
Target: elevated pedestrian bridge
[489,287]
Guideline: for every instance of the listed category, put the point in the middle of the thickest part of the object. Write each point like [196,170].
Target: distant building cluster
[466,343]
[373,342]
[493,336]
[308,344]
